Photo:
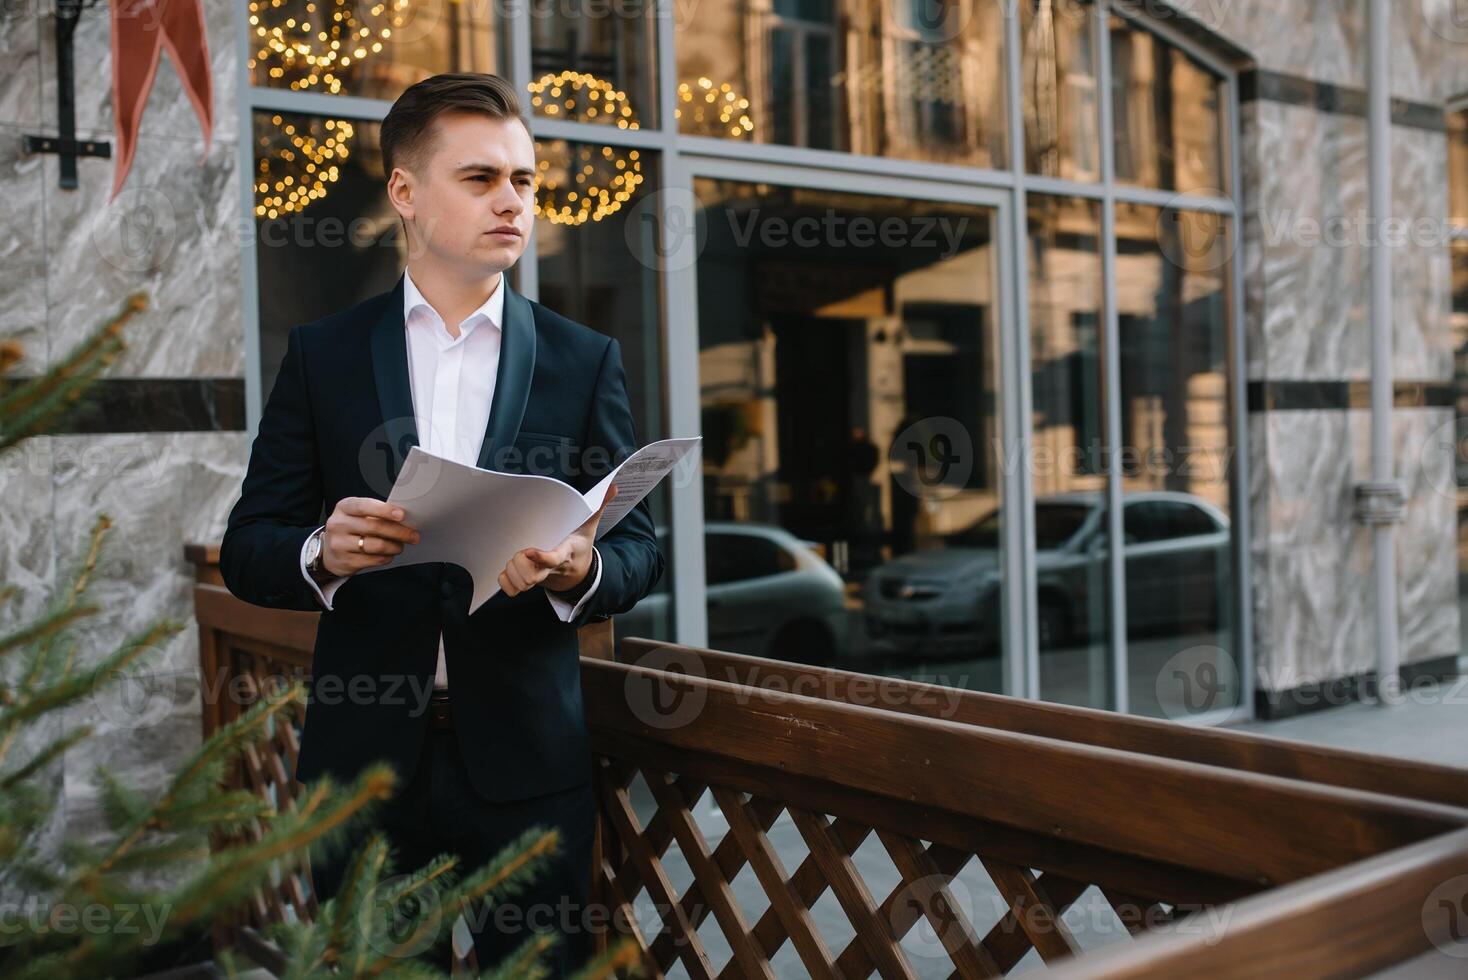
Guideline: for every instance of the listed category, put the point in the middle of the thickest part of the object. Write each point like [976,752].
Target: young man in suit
[481,715]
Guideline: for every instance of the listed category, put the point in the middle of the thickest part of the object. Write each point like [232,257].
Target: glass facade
[923,391]
[1458,256]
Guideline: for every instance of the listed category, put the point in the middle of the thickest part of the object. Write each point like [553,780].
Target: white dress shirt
[452,380]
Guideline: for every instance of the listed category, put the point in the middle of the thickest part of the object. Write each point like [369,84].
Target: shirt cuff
[324,590]
[564,610]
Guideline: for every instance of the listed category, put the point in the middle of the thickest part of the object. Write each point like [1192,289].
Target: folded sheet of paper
[479,519]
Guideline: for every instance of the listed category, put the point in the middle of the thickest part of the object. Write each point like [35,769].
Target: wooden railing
[1293,848]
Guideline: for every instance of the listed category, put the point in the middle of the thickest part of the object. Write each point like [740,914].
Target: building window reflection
[896,78]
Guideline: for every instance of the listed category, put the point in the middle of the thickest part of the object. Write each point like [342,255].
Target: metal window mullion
[1111,373]
[713,147]
[680,333]
[1240,517]
[1021,633]
[249,267]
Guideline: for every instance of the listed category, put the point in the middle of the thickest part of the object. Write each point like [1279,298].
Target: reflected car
[945,600]
[769,594]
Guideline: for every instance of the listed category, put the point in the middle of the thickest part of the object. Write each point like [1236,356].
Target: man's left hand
[561,568]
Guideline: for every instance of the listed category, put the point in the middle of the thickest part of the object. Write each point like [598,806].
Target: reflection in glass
[1458,167]
[1176,459]
[1062,125]
[594,63]
[850,389]
[343,47]
[1460,393]
[601,271]
[1166,110]
[1068,473]
[916,79]
[329,248]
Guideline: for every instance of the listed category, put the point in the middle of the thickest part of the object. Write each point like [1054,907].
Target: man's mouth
[507,231]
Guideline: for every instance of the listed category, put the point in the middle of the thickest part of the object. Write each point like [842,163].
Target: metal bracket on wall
[68,12]
[1381,502]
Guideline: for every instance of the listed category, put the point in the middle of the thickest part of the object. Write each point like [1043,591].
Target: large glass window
[373,50]
[915,79]
[598,264]
[326,235]
[1176,459]
[849,369]
[1166,112]
[1069,471]
[1061,115]
[594,62]
[1458,250]
[848,341]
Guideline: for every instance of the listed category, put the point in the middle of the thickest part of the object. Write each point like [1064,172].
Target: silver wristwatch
[313,554]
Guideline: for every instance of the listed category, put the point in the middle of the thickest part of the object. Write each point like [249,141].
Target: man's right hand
[376,523]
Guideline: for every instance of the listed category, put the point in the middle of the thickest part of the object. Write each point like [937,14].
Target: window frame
[683,157]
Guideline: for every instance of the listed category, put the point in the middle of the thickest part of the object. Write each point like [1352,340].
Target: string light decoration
[297,163]
[590,187]
[712,110]
[323,41]
[581,97]
[595,181]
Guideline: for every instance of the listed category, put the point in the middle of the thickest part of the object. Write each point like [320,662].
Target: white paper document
[479,519]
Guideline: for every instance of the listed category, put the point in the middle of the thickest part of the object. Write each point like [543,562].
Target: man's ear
[400,187]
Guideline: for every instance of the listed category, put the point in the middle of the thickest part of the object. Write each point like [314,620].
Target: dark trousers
[440,813]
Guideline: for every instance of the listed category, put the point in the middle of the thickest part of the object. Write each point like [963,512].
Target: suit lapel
[395,394]
[512,382]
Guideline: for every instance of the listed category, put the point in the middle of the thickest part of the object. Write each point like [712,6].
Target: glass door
[850,373]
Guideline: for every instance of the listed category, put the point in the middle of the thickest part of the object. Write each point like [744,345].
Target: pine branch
[43,758]
[525,962]
[73,595]
[37,403]
[347,935]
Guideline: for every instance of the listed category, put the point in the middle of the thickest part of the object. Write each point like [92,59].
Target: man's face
[470,194]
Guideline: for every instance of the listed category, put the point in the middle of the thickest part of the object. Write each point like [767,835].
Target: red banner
[141,29]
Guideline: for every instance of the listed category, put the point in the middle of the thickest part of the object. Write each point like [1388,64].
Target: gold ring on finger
[361,543]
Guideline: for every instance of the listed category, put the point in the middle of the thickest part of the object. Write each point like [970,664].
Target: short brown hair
[406,130]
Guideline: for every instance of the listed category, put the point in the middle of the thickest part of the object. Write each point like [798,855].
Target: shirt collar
[492,309]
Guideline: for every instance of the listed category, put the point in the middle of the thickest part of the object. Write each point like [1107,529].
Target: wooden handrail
[1051,801]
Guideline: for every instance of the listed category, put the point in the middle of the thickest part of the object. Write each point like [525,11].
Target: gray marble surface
[20,51]
[172,232]
[169,112]
[1304,174]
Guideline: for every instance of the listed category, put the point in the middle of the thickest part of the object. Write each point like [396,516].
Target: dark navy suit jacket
[338,423]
